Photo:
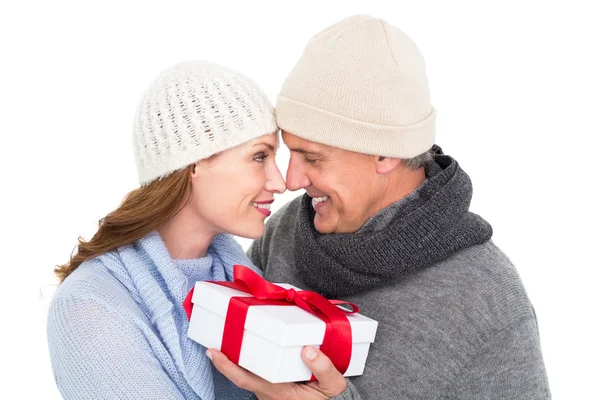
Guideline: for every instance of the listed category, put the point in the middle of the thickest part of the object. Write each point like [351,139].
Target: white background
[516,86]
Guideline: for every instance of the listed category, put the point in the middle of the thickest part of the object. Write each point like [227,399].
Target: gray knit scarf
[428,227]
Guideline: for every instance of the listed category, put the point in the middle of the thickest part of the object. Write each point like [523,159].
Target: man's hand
[329,383]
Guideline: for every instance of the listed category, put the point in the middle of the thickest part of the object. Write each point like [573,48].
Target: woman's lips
[264,207]
[263,211]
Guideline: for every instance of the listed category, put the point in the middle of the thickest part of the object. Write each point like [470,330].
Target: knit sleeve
[509,366]
[97,354]
[351,393]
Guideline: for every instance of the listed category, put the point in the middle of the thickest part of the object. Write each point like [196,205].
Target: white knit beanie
[360,86]
[193,110]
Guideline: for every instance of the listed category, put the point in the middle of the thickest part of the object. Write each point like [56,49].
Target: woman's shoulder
[88,311]
[92,284]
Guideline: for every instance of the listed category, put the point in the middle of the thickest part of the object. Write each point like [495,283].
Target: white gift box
[273,335]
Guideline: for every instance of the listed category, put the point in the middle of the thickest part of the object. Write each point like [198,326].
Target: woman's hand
[329,383]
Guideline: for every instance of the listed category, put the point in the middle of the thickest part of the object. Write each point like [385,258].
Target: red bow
[337,342]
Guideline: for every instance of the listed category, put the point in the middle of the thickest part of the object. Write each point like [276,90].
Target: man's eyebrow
[302,151]
[265,144]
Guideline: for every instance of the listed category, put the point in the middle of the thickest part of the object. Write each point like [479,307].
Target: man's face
[344,185]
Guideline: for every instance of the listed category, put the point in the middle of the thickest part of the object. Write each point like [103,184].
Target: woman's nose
[275,182]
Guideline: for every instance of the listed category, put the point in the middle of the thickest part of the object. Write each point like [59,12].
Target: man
[385,224]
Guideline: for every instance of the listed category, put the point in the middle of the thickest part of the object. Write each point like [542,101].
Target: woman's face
[233,191]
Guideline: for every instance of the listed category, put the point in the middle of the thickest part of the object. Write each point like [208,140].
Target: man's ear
[386,164]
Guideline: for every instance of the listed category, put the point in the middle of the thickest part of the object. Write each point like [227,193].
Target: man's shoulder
[474,286]
[482,279]
[487,266]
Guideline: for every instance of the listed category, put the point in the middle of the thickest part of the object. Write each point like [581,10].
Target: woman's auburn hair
[142,211]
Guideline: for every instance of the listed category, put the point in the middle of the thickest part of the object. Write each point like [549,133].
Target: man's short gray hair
[420,161]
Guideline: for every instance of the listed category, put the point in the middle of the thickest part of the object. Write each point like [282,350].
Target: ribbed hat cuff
[161,168]
[321,126]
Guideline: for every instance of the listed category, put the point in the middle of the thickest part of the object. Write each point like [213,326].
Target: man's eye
[260,157]
[309,160]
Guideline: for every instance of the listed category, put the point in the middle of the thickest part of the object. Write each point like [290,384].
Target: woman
[204,142]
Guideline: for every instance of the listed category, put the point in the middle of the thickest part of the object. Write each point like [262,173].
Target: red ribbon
[337,342]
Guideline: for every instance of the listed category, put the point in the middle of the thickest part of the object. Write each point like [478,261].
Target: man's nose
[296,177]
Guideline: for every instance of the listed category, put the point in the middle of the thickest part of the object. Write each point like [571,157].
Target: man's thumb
[330,380]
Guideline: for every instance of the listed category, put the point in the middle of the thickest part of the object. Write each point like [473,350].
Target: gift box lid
[283,325]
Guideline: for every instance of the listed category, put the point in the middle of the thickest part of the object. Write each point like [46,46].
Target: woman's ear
[193,170]
[386,164]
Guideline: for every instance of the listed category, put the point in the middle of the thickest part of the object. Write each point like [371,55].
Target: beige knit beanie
[360,86]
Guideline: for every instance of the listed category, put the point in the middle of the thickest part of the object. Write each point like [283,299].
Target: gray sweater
[462,328]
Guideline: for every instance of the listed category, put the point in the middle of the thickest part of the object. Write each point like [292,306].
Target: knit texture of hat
[361,86]
[193,110]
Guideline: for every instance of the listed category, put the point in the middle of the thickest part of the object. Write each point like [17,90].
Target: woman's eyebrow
[270,146]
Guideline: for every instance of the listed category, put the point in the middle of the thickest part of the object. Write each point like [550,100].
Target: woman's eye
[260,157]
